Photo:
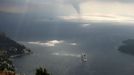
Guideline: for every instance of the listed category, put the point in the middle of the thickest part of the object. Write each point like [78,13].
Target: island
[127,47]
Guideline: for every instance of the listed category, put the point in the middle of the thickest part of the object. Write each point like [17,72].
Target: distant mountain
[127,47]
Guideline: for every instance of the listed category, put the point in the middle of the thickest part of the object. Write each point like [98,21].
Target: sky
[73,10]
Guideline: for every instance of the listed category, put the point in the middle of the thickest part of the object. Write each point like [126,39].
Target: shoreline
[19,55]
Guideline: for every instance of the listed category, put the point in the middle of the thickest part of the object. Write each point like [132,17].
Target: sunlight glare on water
[66,54]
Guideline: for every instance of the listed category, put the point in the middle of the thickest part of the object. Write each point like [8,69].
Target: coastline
[19,55]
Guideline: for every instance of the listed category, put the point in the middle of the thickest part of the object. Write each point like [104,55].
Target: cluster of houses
[7,73]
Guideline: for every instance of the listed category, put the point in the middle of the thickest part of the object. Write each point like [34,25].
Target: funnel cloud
[76,6]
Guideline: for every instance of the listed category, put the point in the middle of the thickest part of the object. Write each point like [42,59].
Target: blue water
[99,41]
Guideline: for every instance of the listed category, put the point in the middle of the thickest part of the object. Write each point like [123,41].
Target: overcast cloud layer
[100,10]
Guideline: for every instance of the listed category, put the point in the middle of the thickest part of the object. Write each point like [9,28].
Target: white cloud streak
[99,18]
[51,43]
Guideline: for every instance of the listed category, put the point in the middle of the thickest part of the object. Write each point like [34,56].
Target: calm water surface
[100,43]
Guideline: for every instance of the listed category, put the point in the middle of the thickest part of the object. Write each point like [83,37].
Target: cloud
[87,8]
[39,4]
[76,6]
[16,6]
[99,18]
[48,43]
[52,43]
[123,1]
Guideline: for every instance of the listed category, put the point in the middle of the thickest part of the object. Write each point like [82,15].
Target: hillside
[11,47]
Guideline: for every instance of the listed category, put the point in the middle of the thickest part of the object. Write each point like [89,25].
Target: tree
[41,71]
